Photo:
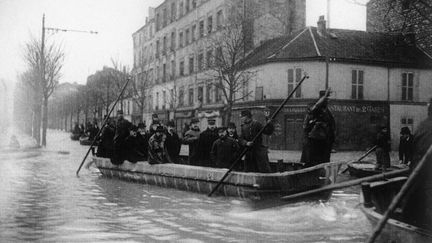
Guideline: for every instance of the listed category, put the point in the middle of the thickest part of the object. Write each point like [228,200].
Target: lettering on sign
[357,109]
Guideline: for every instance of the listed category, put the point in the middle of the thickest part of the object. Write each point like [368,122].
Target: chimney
[321,24]
[410,37]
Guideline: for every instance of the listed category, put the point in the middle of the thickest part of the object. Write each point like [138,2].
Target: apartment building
[173,48]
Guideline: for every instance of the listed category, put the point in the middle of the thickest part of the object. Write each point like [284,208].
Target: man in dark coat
[405,146]
[157,149]
[383,143]
[191,138]
[224,150]
[172,143]
[418,207]
[132,152]
[142,140]
[257,156]
[319,132]
[205,143]
[121,133]
[105,148]
[232,131]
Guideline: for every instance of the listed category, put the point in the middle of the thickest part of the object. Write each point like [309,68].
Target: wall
[418,112]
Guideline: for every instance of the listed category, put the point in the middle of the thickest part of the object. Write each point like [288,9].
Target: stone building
[171,48]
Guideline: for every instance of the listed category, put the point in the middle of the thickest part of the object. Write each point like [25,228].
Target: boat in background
[361,169]
[377,197]
[291,178]
[86,141]
[75,136]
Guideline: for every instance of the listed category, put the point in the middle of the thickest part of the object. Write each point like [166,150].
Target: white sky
[115,20]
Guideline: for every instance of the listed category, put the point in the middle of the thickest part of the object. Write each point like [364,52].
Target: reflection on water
[41,199]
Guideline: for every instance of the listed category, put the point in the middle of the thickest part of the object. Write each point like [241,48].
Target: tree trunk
[36,123]
[44,120]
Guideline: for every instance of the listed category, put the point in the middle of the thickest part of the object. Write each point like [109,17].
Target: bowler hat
[231,125]
[119,112]
[405,130]
[221,129]
[160,128]
[170,124]
[194,120]
[155,116]
[246,113]
[211,121]
[141,125]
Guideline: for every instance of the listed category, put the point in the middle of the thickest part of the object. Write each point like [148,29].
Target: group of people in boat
[90,130]
[217,147]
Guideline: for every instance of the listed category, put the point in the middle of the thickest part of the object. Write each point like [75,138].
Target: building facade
[171,51]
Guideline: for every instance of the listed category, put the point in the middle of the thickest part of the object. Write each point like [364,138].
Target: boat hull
[253,186]
[367,168]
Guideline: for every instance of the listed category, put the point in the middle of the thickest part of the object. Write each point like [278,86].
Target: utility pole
[43,78]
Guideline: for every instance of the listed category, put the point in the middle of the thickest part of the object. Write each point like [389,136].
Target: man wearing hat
[157,150]
[224,149]
[191,138]
[105,147]
[154,124]
[122,128]
[319,132]
[405,146]
[383,143]
[172,143]
[205,143]
[256,159]
[232,131]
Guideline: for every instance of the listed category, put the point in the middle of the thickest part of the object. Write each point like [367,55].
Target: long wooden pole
[104,123]
[346,184]
[258,134]
[405,188]
[363,156]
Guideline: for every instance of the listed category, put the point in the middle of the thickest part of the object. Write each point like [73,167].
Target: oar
[363,156]
[405,188]
[346,184]
[258,134]
[104,123]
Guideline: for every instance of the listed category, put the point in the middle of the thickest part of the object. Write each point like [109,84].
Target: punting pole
[405,188]
[104,124]
[258,134]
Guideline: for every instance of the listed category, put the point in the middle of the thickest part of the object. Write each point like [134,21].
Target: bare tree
[231,45]
[142,84]
[119,74]
[46,59]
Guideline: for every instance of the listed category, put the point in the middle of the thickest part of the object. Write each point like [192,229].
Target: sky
[115,21]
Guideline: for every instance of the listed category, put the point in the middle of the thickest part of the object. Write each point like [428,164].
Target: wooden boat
[253,186]
[86,141]
[75,136]
[377,196]
[368,168]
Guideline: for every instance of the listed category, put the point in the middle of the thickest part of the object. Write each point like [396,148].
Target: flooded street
[41,199]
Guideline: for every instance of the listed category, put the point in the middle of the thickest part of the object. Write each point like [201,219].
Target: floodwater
[42,200]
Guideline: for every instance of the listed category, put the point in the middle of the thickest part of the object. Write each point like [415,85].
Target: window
[201,29]
[181,39]
[209,24]
[172,48]
[209,93]
[157,101]
[173,69]
[173,12]
[164,45]
[294,76]
[219,19]
[164,72]
[157,74]
[245,90]
[200,94]
[200,61]
[259,93]
[165,17]
[181,9]
[191,96]
[172,101]
[407,86]
[182,68]
[181,97]
[407,122]
[357,84]
[187,37]
[193,32]
[164,100]
[157,48]
[191,64]
[209,58]
[157,21]
[218,92]
[219,56]
[194,4]
[187,6]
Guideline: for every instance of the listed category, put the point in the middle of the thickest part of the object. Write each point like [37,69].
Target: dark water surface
[42,200]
